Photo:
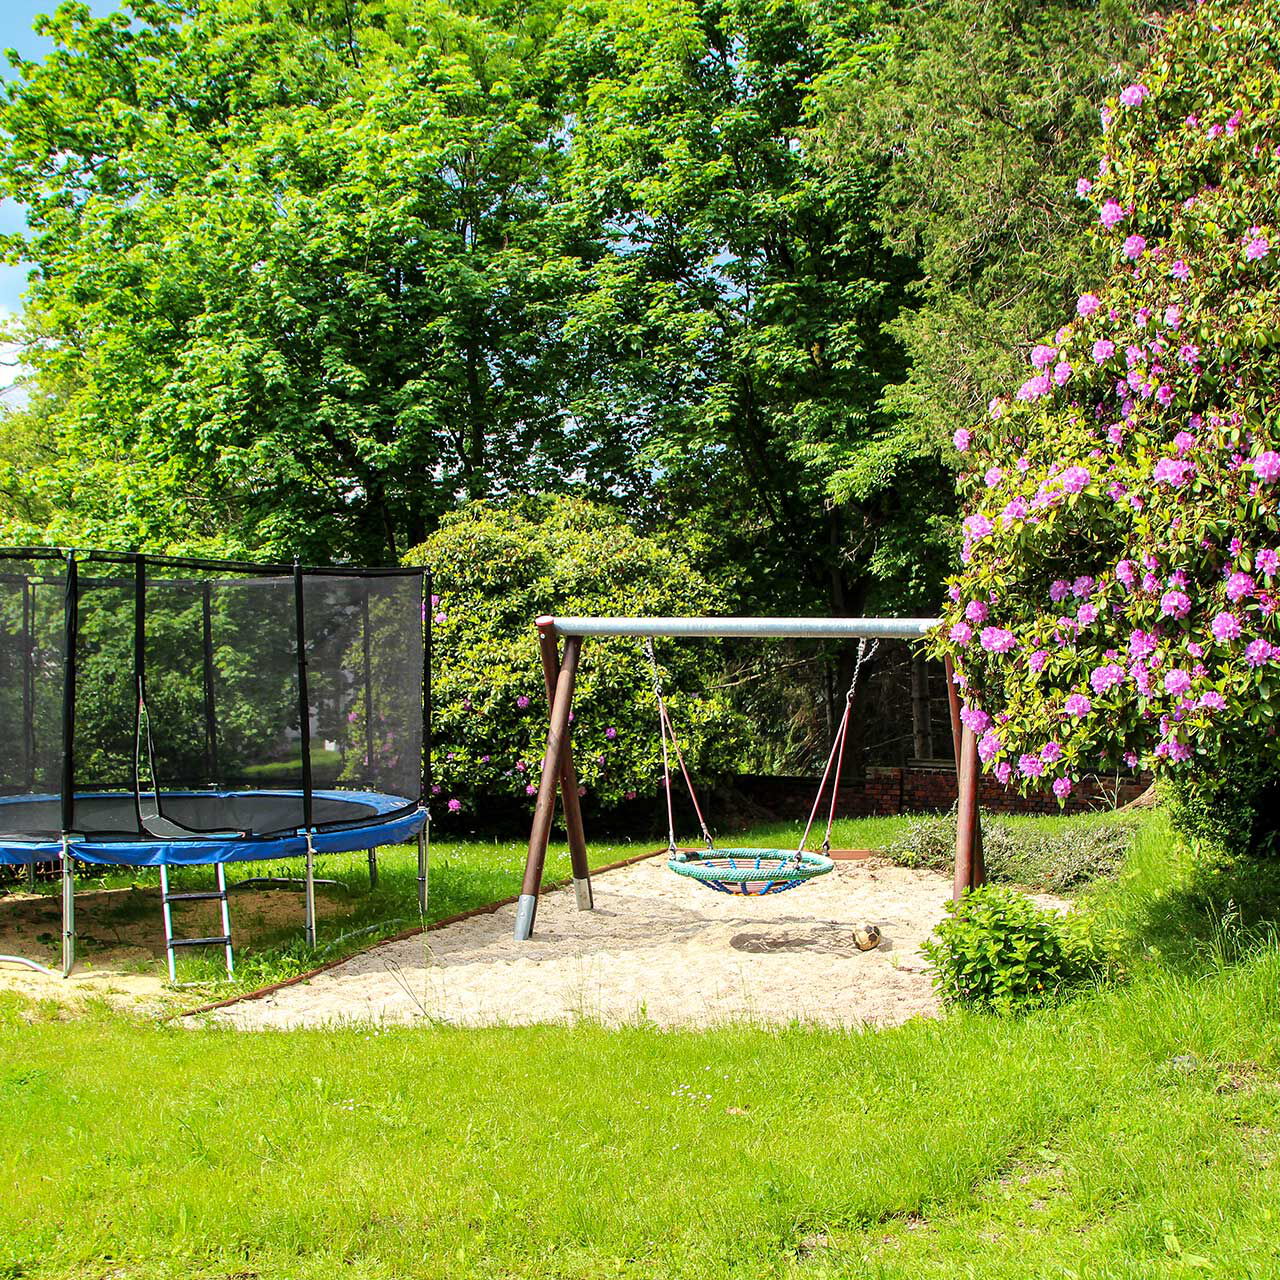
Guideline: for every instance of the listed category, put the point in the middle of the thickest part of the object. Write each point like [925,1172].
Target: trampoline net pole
[424,860]
[68,910]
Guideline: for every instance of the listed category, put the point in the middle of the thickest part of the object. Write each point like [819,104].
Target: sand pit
[657,948]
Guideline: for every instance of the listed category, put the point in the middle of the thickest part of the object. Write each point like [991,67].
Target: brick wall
[923,788]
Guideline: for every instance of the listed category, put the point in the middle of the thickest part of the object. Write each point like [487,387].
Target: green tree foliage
[1121,581]
[495,569]
[300,284]
[744,292]
[986,114]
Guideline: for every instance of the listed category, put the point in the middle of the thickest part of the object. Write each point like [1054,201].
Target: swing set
[748,872]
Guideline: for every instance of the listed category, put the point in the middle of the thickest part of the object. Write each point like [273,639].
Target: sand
[657,948]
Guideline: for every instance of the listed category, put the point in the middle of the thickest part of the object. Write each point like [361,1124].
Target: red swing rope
[664,723]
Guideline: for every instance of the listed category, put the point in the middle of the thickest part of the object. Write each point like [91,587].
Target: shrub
[1056,860]
[495,568]
[1120,588]
[999,951]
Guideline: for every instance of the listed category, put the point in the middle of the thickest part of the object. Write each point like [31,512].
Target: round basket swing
[751,872]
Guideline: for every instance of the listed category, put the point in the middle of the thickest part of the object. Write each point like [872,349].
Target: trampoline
[165,712]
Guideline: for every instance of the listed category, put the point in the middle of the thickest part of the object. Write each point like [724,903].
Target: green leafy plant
[495,569]
[999,951]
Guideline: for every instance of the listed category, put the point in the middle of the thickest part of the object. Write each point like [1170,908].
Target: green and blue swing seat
[751,872]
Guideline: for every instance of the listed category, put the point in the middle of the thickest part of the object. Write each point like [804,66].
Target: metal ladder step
[223,939]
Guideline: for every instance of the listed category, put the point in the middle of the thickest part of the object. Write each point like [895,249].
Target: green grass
[1130,1134]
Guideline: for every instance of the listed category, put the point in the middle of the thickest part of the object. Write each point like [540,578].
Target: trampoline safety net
[144,697]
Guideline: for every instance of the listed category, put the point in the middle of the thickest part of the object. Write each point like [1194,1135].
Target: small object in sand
[866,936]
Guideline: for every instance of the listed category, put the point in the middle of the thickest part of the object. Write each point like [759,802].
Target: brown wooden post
[970,869]
[557,736]
[568,774]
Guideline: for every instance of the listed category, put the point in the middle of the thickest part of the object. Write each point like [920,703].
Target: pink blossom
[976,611]
[1087,304]
[961,633]
[1257,653]
[1180,271]
[1225,626]
[1266,466]
[1184,441]
[1004,771]
[1176,681]
[974,719]
[1062,373]
[1077,705]
[1086,615]
[962,439]
[1133,95]
[1106,677]
[1083,187]
[522,702]
[1173,318]
[1172,471]
[1030,766]
[1111,214]
[1142,644]
[1164,395]
[1133,247]
[455,806]
[1062,787]
[530,789]
[989,746]
[1126,572]
[1268,562]
[1035,388]
[442,617]
[1074,479]
[978,526]
[1175,604]
[995,407]
[1082,587]
[1257,248]
[997,640]
[1037,660]
[1212,700]
[611,733]
[1059,590]
[993,477]
[1042,356]
[1103,350]
[1239,587]
[1051,752]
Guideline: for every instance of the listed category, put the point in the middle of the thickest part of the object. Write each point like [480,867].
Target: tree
[744,295]
[1121,579]
[301,282]
[985,114]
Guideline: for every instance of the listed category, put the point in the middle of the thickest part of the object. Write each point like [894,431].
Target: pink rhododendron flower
[1083,187]
[1082,587]
[1213,700]
[1268,562]
[1087,304]
[1180,271]
[1164,395]
[1175,604]
[1133,247]
[1184,441]
[1239,587]
[1111,214]
[1062,787]
[976,720]
[1257,248]
[960,633]
[1035,387]
[1030,766]
[1077,705]
[1257,653]
[1074,479]
[989,746]
[993,477]
[1037,660]
[1172,471]
[1126,572]
[1266,466]
[1062,373]
[995,407]
[1188,353]
[1106,677]
[1051,753]
[1173,318]
[962,439]
[1042,356]
[978,526]
[1086,615]
[1059,590]
[1004,771]
[997,640]
[1103,350]
[1133,95]
[975,611]
[1225,626]
[455,806]
[1177,681]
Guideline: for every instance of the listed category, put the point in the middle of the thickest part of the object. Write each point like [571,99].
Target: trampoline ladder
[220,895]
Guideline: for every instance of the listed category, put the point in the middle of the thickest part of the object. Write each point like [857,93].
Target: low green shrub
[999,951]
[1055,856]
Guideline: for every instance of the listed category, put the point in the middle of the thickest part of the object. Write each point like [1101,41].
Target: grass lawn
[1132,1133]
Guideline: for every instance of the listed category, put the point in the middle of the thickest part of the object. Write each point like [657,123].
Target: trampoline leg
[31,875]
[68,912]
[310,908]
[424,859]
[373,868]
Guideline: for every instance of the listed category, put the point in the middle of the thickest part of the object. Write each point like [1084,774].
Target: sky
[16,18]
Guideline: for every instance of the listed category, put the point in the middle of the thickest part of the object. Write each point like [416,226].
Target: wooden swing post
[970,869]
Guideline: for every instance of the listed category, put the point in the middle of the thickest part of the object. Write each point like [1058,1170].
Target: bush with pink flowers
[1121,538]
[495,568]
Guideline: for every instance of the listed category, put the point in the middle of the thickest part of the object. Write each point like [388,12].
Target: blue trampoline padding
[376,830]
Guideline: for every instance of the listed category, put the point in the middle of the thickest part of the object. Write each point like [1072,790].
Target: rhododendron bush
[495,568]
[1120,581]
